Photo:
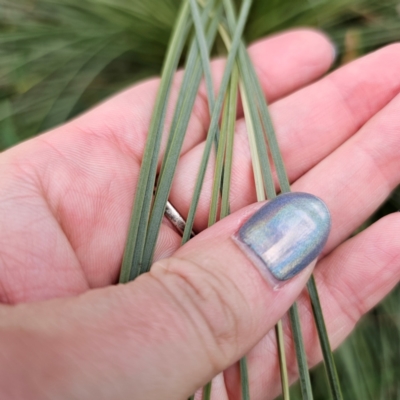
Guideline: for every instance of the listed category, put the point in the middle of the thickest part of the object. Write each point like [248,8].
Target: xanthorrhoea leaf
[262,172]
[285,187]
[244,378]
[223,167]
[192,63]
[228,126]
[131,266]
[178,130]
[207,391]
[205,59]
[223,164]
[304,376]
[220,159]
[294,318]
[227,173]
[219,163]
[251,80]
[323,338]
[204,48]
[256,138]
[215,116]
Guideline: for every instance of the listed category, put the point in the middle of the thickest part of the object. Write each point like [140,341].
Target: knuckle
[210,299]
[347,300]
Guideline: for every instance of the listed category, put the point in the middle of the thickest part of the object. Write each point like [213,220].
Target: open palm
[66,196]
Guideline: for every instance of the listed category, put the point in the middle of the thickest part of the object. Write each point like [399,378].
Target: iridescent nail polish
[287,234]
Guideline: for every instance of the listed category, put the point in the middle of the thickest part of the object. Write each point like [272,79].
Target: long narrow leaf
[305,383]
[226,180]
[323,337]
[244,376]
[204,50]
[191,63]
[251,118]
[227,170]
[207,391]
[215,117]
[227,130]
[261,170]
[144,193]
[219,162]
[188,93]
[285,187]
[293,313]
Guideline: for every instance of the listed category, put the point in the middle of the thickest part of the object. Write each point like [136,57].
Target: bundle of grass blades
[205,19]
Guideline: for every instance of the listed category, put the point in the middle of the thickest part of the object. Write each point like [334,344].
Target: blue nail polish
[287,234]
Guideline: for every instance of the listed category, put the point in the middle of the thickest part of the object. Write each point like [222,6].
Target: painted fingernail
[287,234]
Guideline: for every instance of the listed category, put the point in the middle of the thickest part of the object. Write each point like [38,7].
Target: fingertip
[318,41]
[313,43]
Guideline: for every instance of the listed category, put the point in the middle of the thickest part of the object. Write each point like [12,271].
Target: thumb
[170,331]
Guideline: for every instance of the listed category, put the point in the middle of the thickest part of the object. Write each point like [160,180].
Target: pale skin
[65,203]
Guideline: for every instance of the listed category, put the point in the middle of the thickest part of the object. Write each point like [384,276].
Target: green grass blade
[257,127]
[323,337]
[293,313]
[255,159]
[191,64]
[267,122]
[226,180]
[182,115]
[227,129]
[244,378]
[207,391]
[258,134]
[219,162]
[215,116]
[305,383]
[230,134]
[255,86]
[144,193]
[205,59]
[285,187]
[204,50]
[262,174]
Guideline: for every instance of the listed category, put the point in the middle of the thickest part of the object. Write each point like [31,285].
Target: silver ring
[176,219]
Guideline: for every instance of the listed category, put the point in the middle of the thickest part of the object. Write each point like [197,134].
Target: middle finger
[311,124]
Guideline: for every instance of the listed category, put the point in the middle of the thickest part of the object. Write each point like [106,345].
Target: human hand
[65,201]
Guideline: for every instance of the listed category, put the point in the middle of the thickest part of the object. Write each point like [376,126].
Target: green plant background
[60,57]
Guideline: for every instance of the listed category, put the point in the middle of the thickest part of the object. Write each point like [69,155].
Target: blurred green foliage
[60,57]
